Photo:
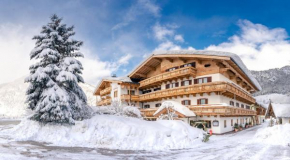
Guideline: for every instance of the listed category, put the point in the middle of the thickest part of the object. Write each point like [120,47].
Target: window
[167,86]
[241,121]
[188,65]
[232,122]
[237,121]
[246,120]
[146,106]
[215,123]
[225,123]
[132,92]
[237,104]
[185,102]
[232,103]
[202,101]
[207,65]
[157,89]
[115,93]
[202,80]
[158,105]
[171,69]
[242,105]
[248,107]
[186,83]
[146,91]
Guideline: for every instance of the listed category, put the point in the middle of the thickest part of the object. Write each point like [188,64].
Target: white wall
[221,129]
[285,120]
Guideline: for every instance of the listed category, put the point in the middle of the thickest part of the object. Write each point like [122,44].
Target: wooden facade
[160,69]
[223,88]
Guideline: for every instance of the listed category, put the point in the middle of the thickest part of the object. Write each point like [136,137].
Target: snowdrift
[276,135]
[114,132]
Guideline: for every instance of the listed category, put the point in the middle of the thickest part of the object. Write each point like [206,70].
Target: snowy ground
[241,145]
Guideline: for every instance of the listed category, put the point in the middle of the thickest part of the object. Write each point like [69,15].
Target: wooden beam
[182,59]
[141,75]
[169,59]
[150,67]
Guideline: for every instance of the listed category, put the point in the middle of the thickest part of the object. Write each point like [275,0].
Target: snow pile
[126,111]
[281,110]
[114,132]
[276,135]
[12,98]
[177,107]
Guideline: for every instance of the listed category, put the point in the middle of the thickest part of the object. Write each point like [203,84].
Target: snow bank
[276,135]
[114,132]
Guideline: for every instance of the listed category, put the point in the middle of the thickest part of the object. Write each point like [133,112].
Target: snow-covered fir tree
[54,93]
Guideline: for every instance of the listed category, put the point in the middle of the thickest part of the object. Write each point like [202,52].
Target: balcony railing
[178,73]
[221,110]
[105,101]
[224,88]
[127,97]
[148,112]
[105,91]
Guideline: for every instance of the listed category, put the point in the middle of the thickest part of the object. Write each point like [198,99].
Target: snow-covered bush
[54,93]
[119,110]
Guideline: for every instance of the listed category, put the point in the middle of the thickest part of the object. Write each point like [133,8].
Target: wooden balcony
[126,97]
[106,101]
[148,112]
[223,88]
[208,110]
[105,91]
[158,79]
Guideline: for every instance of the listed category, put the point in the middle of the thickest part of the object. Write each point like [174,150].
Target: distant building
[279,111]
[215,86]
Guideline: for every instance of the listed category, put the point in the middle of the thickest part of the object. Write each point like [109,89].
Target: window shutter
[206,101]
[176,84]
[209,79]
[182,102]
[189,102]
[182,83]
[167,86]
[198,101]
[190,82]
[195,81]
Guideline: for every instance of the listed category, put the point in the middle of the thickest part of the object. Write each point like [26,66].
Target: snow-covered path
[232,146]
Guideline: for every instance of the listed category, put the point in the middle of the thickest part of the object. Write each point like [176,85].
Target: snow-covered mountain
[274,97]
[12,98]
[274,80]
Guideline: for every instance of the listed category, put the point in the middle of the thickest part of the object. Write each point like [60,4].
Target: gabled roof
[281,110]
[176,106]
[153,59]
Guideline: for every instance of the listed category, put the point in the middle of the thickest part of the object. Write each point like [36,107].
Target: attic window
[207,65]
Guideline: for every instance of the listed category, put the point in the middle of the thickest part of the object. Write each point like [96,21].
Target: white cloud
[259,46]
[168,45]
[162,32]
[141,7]
[125,59]
[179,38]
[16,43]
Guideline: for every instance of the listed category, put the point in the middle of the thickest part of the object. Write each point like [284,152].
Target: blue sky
[118,34]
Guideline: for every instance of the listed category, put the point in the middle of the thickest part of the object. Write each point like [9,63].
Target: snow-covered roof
[281,110]
[117,79]
[235,58]
[177,107]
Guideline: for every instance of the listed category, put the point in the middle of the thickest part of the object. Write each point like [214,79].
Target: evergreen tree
[54,93]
